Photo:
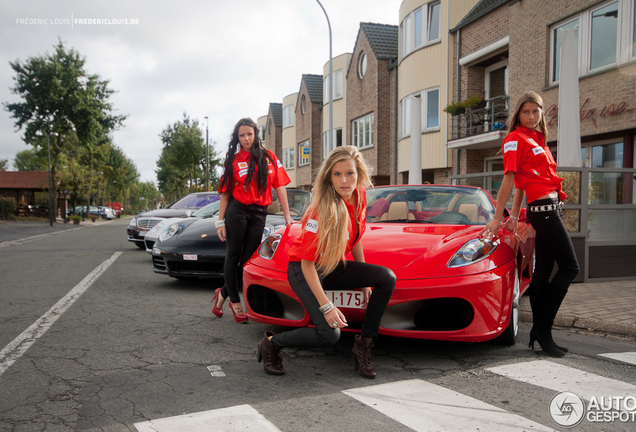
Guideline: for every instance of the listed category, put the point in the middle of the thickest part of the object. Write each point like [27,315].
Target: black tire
[185,278]
[509,335]
[140,245]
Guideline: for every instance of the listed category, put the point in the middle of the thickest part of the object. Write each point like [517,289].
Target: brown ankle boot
[362,356]
[272,355]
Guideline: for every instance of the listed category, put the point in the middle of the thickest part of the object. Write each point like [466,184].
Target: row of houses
[491,51]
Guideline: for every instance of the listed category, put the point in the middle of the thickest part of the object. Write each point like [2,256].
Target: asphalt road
[129,346]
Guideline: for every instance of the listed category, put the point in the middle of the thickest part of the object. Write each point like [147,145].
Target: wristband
[220,223]
[514,217]
[326,308]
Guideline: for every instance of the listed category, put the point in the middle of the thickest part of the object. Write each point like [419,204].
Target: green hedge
[7,208]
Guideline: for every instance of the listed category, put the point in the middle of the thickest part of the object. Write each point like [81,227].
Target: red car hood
[414,251]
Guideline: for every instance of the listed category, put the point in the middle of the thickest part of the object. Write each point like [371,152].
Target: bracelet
[220,223]
[326,308]
[514,217]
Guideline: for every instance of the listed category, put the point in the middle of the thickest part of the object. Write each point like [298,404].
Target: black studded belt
[546,207]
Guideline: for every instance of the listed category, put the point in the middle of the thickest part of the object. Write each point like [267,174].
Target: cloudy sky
[224,59]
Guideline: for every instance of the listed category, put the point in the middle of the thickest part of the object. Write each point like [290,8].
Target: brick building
[308,123]
[274,130]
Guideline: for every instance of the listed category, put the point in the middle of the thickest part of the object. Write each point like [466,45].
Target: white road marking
[233,419]
[33,238]
[627,357]
[216,371]
[23,342]
[561,378]
[423,406]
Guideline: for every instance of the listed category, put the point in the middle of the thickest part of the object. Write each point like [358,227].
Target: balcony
[480,128]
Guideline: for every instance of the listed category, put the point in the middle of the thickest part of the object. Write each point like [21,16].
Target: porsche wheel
[509,335]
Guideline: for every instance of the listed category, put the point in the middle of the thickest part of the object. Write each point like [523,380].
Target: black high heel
[547,344]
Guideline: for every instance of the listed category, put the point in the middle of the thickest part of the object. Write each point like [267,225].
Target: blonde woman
[332,227]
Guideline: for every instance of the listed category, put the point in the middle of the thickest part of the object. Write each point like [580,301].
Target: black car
[190,248]
[141,224]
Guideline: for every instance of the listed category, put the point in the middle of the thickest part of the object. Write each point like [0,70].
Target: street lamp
[48,145]
[207,157]
[330,90]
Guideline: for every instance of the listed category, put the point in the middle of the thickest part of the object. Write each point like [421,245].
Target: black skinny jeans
[552,244]
[244,225]
[345,277]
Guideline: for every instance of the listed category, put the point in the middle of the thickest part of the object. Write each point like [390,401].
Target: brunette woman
[250,173]
[529,165]
[332,227]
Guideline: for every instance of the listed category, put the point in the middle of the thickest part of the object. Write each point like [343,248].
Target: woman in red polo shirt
[246,190]
[332,227]
[529,165]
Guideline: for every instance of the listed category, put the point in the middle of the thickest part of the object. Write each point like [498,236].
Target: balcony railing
[475,121]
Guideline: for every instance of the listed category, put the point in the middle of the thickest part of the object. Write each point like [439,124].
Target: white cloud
[222,59]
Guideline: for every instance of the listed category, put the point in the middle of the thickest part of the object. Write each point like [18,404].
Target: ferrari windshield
[429,204]
[298,202]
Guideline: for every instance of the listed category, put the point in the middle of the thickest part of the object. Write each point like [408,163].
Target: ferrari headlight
[269,246]
[133,222]
[269,229]
[168,232]
[472,252]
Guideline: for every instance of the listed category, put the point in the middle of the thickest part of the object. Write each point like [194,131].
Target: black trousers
[244,225]
[552,244]
[345,277]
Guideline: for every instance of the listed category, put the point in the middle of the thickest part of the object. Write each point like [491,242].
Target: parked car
[81,211]
[106,212]
[141,224]
[451,284]
[151,236]
[191,248]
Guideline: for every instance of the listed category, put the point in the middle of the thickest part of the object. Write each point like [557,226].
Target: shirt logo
[537,150]
[364,214]
[278,164]
[243,172]
[242,165]
[312,226]
[510,146]
[533,141]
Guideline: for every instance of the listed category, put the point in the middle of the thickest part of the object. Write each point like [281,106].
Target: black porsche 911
[190,248]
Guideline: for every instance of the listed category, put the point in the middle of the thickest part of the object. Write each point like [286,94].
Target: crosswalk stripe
[557,377]
[627,357]
[423,406]
[233,419]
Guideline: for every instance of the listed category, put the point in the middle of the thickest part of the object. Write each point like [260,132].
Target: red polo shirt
[276,178]
[525,154]
[305,247]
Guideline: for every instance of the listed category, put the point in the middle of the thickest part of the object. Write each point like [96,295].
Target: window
[606,38]
[288,158]
[420,28]
[288,116]
[362,65]
[362,131]
[303,104]
[337,142]
[262,130]
[337,87]
[430,111]
[304,153]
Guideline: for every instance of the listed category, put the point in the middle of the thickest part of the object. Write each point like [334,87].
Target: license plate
[142,233]
[346,299]
[190,257]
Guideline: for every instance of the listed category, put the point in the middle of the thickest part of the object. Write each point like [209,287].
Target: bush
[7,208]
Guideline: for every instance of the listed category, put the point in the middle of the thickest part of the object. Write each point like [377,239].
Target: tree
[181,165]
[4,164]
[31,160]
[58,96]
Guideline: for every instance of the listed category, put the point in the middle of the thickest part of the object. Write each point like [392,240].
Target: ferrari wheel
[509,335]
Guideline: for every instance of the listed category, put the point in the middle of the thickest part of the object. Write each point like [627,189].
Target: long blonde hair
[333,218]
[534,98]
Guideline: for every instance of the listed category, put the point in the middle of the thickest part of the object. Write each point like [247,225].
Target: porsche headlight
[269,246]
[269,229]
[133,222]
[168,232]
[472,252]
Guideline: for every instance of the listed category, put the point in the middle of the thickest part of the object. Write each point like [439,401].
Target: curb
[586,324]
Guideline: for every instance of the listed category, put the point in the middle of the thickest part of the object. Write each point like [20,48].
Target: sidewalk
[601,306]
